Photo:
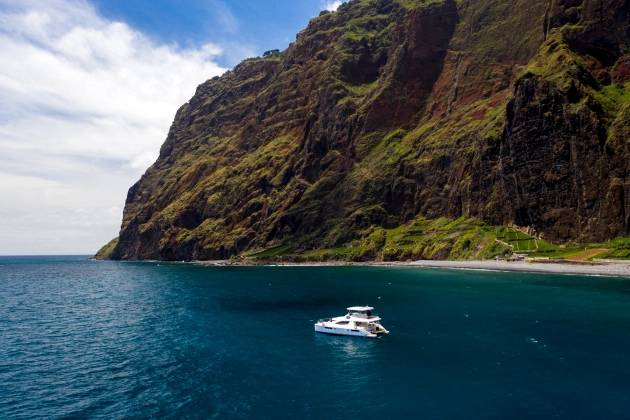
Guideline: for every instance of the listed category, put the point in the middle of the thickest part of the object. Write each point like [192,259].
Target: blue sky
[89,89]
[255,25]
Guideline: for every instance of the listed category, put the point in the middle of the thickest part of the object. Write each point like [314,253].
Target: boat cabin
[361,313]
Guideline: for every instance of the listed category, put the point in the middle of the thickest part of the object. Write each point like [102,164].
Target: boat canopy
[360,308]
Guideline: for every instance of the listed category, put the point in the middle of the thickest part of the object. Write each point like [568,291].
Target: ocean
[100,339]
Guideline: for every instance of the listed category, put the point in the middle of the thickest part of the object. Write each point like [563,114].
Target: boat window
[343,322]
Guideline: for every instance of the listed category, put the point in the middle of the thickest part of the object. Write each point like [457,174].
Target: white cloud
[86,104]
[332,5]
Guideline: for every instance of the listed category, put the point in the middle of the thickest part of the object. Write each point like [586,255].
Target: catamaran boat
[359,321]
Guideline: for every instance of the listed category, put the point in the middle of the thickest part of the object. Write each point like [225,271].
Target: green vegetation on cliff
[420,239]
[396,129]
[444,239]
[107,250]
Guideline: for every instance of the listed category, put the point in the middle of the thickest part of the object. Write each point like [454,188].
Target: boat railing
[324,320]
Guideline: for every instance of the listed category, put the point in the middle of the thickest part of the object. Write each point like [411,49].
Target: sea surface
[88,339]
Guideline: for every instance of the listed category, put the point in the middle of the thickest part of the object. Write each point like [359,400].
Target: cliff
[387,112]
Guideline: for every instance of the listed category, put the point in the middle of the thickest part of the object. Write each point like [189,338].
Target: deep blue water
[82,339]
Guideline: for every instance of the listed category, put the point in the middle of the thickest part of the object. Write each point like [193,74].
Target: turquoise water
[135,340]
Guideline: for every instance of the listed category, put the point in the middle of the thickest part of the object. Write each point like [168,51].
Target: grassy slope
[106,251]
[443,238]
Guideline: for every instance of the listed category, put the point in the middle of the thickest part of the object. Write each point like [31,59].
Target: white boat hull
[322,328]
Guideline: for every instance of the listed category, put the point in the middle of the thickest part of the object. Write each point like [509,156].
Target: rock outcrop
[515,112]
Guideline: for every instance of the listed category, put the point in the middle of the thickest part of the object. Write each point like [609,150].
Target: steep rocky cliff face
[516,112]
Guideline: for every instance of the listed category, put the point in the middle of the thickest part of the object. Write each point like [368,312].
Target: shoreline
[597,268]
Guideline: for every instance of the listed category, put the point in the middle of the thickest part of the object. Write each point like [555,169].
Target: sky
[89,90]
